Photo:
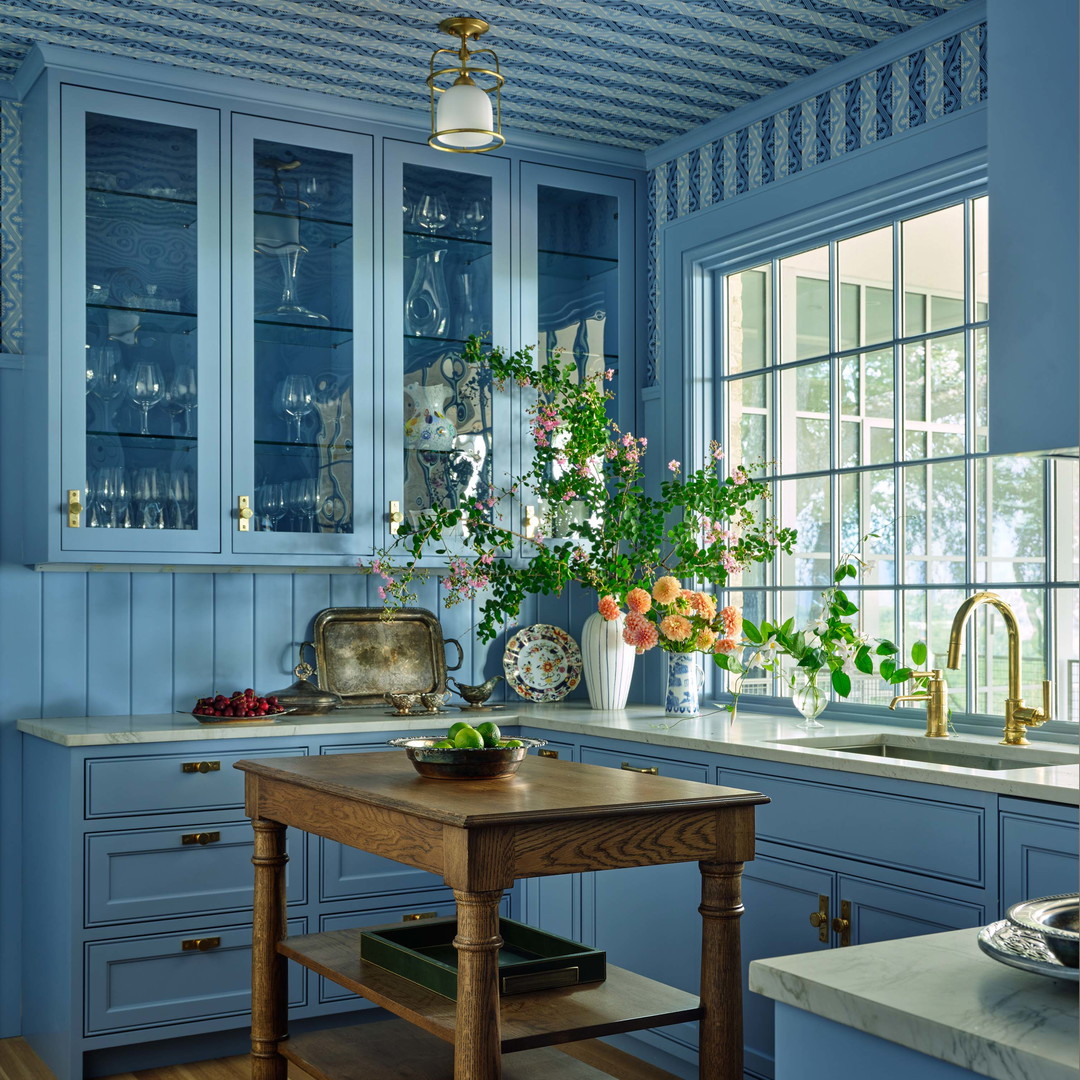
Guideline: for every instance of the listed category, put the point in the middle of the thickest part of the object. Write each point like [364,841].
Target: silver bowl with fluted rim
[1056,919]
[458,763]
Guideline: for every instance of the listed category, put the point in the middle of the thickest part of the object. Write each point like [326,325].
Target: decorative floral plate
[542,663]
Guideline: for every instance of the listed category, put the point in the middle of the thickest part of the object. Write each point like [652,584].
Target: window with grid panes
[858,369]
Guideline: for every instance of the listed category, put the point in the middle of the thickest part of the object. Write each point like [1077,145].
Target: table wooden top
[544,789]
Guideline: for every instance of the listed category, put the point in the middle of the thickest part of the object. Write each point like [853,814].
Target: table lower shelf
[394,1050]
[623,1002]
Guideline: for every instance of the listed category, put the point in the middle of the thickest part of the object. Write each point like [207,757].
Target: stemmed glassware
[148,491]
[147,389]
[270,505]
[104,372]
[184,393]
[430,213]
[181,502]
[470,218]
[295,400]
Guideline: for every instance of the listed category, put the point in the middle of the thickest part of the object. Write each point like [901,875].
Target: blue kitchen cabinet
[306,426]
[125,285]
[1038,850]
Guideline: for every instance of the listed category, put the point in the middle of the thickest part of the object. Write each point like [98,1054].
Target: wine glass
[147,490]
[147,389]
[104,373]
[181,499]
[312,190]
[112,493]
[270,505]
[307,498]
[184,393]
[430,212]
[295,400]
[471,216]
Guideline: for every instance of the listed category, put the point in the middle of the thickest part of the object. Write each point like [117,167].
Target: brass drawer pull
[548,753]
[820,919]
[653,770]
[201,766]
[416,915]
[203,838]
[200,944]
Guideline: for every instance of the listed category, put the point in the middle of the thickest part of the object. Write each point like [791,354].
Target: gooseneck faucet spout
[1018,717]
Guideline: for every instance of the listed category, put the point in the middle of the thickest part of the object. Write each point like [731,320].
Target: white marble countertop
[940,995]
[751,735]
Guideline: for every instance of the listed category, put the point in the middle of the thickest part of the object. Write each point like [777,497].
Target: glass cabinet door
[577,278]
[140,278]
[447,228]
[305,431]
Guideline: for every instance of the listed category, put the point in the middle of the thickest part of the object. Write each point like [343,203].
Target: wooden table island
[554,817]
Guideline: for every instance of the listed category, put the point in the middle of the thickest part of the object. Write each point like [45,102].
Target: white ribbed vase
[607,660]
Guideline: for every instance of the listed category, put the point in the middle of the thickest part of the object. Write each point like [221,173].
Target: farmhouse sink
[966,755]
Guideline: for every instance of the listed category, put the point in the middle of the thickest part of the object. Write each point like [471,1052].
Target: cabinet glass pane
[447,285]
[302,392]
[142,379]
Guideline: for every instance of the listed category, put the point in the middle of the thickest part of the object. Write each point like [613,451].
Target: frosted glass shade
[464,106]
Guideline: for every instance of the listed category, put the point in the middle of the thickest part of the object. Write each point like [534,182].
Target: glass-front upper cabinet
[306,432]
[448,278]
[140,274]
[577,281]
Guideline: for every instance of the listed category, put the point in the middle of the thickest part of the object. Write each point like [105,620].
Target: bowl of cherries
[241,705]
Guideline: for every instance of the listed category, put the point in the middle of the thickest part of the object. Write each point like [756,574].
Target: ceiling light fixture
[464,121]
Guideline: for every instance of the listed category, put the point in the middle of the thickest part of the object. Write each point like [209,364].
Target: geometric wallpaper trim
[928,85]
[11,226]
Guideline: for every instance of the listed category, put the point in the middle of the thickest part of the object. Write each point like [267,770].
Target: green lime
[455,728]
[468,738]
[511,743]
[443,744]
[490,733]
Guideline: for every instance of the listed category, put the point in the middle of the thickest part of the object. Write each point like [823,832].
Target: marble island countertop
[760,736]
[939,995]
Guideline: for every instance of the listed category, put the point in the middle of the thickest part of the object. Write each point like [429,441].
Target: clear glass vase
[809,699]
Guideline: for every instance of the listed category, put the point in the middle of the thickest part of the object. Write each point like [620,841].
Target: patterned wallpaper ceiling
[623,72]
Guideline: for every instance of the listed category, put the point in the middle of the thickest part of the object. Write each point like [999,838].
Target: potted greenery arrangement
[597,526]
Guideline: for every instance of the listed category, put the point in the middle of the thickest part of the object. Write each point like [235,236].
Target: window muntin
[868,428]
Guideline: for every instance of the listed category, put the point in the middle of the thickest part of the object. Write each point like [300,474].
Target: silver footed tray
[1023,949]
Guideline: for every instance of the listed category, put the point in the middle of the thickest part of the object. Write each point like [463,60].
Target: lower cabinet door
[886,912]
[1038,856]
[171,978]
[779,897]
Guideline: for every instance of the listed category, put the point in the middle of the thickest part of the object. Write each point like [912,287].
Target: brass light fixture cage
[469,137]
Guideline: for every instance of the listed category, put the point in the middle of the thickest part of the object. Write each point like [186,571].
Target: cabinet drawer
[635,762]
[154,981]
[923,836]
[155,873]
[201,779]
[1038,857]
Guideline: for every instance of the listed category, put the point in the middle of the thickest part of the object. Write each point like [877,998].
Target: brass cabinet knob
[816,919]
[200,766]
[839,925]
[819,919]
[842,923]
[201,838]
[200,944]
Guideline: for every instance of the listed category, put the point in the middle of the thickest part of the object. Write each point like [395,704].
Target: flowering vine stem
[598,526]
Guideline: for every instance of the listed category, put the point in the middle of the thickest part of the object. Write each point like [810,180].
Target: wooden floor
[19,1062]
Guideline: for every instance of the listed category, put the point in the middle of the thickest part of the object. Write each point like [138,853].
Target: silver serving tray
[1023,949]
[362,655]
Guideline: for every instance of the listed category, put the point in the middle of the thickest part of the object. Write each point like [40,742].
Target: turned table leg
[269,976]
[721,1036]
[477,1035]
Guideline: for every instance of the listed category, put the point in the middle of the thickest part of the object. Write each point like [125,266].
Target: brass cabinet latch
[244,513]
[74,508]
[548,753]
[200,944]
[202,838]
[395,516]
[530,522]
[820,919]
[201,766]
[842,925]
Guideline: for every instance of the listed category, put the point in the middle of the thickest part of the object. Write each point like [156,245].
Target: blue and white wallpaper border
[11,223]
[918,89]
